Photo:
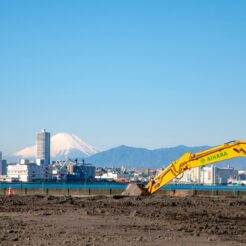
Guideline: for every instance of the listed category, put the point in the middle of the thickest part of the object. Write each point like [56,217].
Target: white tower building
[43,147]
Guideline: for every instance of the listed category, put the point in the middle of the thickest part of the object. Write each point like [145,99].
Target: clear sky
[140,73]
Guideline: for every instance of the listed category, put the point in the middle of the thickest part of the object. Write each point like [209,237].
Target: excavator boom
[223,152]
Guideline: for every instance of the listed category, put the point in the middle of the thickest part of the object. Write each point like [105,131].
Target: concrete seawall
[108,192]
[226,193]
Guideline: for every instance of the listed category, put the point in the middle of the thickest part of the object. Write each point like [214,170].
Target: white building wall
[190,176]
[208,175]
[24,172]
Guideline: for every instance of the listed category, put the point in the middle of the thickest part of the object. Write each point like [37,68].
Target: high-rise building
[43,147]
[1,165]
[4,167]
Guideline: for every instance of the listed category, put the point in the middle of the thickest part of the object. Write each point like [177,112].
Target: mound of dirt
[132,189]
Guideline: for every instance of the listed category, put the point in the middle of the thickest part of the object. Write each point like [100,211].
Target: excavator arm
[223,152]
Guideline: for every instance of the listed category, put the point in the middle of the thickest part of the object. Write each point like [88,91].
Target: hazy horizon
[34,144]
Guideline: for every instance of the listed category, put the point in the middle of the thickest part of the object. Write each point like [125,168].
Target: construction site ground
[153,220]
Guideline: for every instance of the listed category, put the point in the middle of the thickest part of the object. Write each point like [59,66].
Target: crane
[220,153]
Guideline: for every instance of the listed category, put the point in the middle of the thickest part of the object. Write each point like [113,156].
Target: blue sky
[140,73]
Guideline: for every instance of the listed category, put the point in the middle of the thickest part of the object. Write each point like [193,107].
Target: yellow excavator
[223,152]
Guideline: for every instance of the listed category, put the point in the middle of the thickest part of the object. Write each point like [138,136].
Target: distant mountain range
[64,146]
[144,158]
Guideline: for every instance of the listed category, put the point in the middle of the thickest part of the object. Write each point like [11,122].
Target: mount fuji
[63,146]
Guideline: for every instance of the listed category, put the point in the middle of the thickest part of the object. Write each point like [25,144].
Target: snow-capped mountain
[63,146]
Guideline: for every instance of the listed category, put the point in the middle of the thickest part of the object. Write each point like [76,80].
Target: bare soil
[154,220]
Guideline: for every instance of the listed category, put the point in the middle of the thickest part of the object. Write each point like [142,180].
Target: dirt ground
[154,220]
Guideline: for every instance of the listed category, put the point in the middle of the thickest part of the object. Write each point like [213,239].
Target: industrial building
[73,171]
[81,172]
[43,147]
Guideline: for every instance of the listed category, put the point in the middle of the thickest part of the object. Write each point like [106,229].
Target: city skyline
[123,73]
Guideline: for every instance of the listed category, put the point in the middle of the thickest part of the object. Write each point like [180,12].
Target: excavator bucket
[133,189]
